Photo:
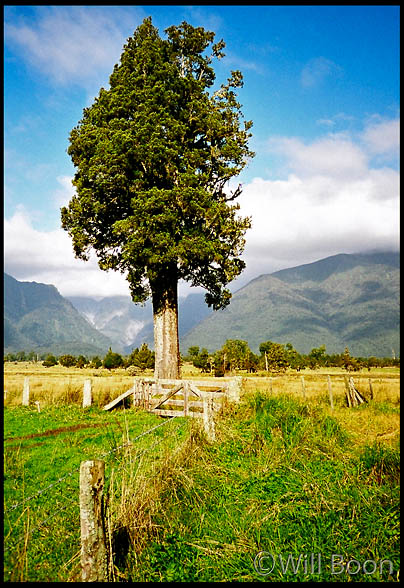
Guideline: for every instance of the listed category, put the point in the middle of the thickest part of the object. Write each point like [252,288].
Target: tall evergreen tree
[153,156]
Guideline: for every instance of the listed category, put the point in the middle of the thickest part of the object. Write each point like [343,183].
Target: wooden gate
[179,397]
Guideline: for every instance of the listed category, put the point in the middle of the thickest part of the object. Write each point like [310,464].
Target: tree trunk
[165,318]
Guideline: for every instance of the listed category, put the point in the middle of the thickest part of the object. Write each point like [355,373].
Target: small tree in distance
[67,360]
[50,361]
[112,360]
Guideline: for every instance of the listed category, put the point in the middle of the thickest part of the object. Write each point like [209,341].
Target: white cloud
[64,194]
[333,156]
[382,137]
[331,202]
[73,43]
[47,257]
[317,70]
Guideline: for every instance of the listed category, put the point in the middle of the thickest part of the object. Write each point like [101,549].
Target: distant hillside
[343,300]
[37,318]
[129,325]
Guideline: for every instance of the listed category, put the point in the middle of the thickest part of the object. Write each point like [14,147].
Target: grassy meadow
[315,489]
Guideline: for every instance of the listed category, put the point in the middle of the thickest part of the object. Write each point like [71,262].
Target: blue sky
[321,85]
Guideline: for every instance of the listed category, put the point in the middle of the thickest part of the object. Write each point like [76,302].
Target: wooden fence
[179,397]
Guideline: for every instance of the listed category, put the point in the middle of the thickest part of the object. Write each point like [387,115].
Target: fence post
[93,544]
[303,388]
[25,394]
[134,395]
[186,398]
[330,392]
[270,386]
[208,422]
[371,389]
[87,393]
[234,387]
[347,391]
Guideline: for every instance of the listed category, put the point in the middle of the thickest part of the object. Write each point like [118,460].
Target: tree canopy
[154,155]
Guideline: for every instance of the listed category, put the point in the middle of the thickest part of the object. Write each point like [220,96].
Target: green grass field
[286,476]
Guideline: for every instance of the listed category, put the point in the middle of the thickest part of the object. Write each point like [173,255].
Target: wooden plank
[167,396]
[176,413]
[191,403]
[195,390]
[186,395]
[198,383]
[118,400]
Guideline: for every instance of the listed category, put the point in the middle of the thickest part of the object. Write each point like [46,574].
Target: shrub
[67,360]
[50,361]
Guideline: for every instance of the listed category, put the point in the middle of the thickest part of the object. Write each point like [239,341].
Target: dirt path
[52,432]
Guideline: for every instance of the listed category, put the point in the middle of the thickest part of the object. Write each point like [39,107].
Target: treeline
[235,355]
[277,357]
[141,358]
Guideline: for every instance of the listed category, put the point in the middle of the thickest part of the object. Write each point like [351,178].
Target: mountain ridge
[37,317]
[345,300]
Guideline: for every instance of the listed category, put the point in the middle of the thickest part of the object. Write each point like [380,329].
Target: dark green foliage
[274,356]
[96,362]
[153,154]
[67,360]
[142,358]
[81,361]
[50,361]
[112,360]
[202,360]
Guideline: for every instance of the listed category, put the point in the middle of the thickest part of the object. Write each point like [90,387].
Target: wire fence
[52,512]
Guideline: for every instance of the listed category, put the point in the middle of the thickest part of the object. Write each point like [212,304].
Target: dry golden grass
[367,424]
[60,386]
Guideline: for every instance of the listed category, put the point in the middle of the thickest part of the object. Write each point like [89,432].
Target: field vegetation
[286,475]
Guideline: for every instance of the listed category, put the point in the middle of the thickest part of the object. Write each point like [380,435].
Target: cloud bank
[332,200]
[72,44]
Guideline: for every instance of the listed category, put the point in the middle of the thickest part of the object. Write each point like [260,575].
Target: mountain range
[346,300]
[129,325]
[37,318]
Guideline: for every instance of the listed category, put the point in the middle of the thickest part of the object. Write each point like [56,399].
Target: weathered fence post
[353,395]
[347,391]
[38,405]
[93,544]
[330,392]
[87,393]
[149,395]
[134,395]
[370,389]
[25,394]
[234,387]
[186,398]
[208,422]
[303,388]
